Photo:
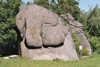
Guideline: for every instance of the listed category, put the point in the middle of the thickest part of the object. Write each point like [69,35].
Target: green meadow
[93,61]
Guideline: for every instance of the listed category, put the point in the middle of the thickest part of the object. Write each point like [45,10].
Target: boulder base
[64,51]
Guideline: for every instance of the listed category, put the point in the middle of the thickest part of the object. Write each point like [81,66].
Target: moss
[77,31]
[41,32]
[65,23]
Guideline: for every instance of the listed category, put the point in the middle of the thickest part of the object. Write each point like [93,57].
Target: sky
[83,4]
[86,4]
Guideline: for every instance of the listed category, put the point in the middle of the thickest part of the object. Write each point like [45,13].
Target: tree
[53,6]
[29,3]
[69,6]
[93,21]
[43,3]
[83,19]
[8,34]
[61,6]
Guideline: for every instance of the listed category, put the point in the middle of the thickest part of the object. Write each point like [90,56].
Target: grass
[22,62]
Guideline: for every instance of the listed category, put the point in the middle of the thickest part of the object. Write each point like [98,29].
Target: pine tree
[8,35]
[69,6]
[43,3]
[61,7]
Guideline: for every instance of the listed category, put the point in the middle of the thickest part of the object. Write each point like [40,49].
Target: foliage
[61,6]
[65,23]
[84,52]
[83,19]
[8,35]
[94,21]
[53,6]
[41,32]
[88,36]
[91,21]
[69,6]
[77,42]
[29,3]
[95,44]
[57,60]
[43,3]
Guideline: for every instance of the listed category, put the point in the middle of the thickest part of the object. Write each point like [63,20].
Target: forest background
[9,31]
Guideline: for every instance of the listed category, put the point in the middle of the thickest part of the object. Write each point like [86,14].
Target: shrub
[57,59]
[87,35]
[93,42]
[77,42]
[65,23]
[84,52]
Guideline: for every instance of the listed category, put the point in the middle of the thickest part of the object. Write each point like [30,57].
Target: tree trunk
[90,29]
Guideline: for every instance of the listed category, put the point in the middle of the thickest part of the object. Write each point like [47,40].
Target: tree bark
[90,29]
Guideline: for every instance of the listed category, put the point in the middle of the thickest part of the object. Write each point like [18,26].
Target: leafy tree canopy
[91,21]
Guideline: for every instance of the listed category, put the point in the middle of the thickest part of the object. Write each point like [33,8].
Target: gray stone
[84,42]
[30,21]
[67,17]
[6,58]
[77,28]
[53,35]
[43,35]
[13,56]
[64,51]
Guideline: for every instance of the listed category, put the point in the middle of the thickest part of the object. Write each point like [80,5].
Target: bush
[8,30]
[77,42]
[93,42]
[84,52]
[87,35]
[57,59]
[65,23]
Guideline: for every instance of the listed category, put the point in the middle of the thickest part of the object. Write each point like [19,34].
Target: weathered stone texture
[77,28]
[84,42]
[64,51]
[44,37]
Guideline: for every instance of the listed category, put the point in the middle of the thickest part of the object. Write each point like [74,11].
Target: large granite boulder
[34,20]
[64,51]
[44,37]
[77,29]
[84,42]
